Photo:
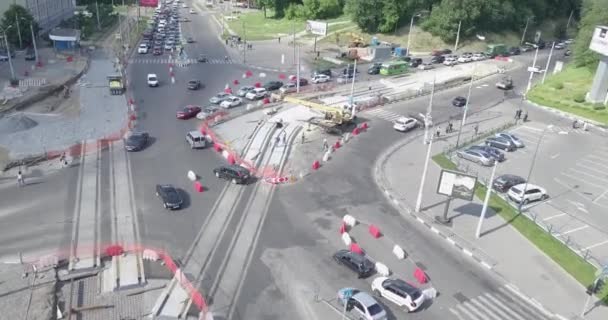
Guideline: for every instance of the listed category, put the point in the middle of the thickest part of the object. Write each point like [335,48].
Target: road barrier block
[346,137]
[399,252]
[343,227]
[356,131]
[316,165]
[364,126]
[382,269]
[337,145]
[430,293]
[191,175]
[346,239]
[150,255]
[356,248]
[326,155]
[374,231]
[349,220]
[420,276]
[231,159]
[198,186]
[217,147]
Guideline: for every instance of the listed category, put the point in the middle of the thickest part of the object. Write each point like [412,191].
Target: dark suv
[358,263]
[506,181]
[234,173]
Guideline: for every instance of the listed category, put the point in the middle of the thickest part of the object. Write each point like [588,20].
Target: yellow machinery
[116,85]
[356,41]
[333,116]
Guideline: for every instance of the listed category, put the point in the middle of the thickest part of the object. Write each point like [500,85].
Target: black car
[350,69]
[567,53]
[504,182]
[234,173]
[194,84]
[374,68]
[30,55]
[415,62]
[493,152]
[459,102]
[500,143]
[273,85]
[514,51]
[437,59]
[326,72]
[202,58]
[136,141]
[355,262]
[190,40]
[170,196]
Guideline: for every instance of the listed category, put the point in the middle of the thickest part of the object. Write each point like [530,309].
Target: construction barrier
[326,156]
[399,252]
[198,186]
[356,131]
[364,126]
[316,165]
[191,175]
[382,269]
[337,145]
[343,228]
[349,220]
[374,231]
[355,248]
[150,255]
[420,276]
[346,239]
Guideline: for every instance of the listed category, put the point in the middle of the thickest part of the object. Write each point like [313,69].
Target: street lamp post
[548,62]
[532,166]
[486,201]
[457,36]
[34,42]
[523,36]
[428,117]
[423,179]
[466,107]
[8,53]
[409,34]
[18,30]
[532,70]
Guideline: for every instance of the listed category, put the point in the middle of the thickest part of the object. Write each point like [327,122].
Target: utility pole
[423,179]
[18,30]
[568,24]
[548,62]
[457,35]
[352,91]
[8,53]
[523,36]
[486,201]
[540,140]
[427,117]
[298,73]
[409,34]
[532,70]
[34,42]
[466,107]
[97,11]
[294,40]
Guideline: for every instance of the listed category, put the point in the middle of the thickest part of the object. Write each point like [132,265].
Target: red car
[303,81]
[188,112]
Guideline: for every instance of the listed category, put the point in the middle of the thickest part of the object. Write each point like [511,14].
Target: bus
[393,67]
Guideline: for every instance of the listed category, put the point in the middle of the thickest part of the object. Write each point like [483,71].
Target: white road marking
[464,308]
[467,252]
[590,168]
[454,312]
[601,164]
[582,180]
[589,175]
[532,128]
[573,230]
[594,245]
[555,156]
[600,196]
[527,299]
[504,307]
[554,216]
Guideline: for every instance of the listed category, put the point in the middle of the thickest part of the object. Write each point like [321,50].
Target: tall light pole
[482,216]
[18,30]
[298,72]
[457,35]
[568,24]
[423,179]
[352,90]
[34,42]
[548,62]
[97,11]
[466,107]
[244,43]
[532,71]
[409,34]
[540,139]
[8,53]
[523,36]
[428,117]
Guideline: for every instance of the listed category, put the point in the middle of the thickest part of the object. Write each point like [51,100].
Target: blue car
[493,152]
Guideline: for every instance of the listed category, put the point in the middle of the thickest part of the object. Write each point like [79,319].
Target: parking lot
[570,165]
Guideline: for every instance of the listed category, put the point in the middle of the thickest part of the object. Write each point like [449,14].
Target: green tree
[279,7]
[367,14]
[594,12]
[18,18]
[322,9]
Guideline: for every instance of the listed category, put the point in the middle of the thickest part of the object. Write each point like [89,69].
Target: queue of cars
[163,32]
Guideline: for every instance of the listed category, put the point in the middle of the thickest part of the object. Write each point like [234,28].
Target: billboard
[599,41]
[457,185]
[148,3]
[316,27]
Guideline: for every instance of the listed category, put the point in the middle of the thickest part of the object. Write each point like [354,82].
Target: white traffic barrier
[349,220]
[48,261]
[429,293]
[249,106]
[150,255]
[172,80]
[347,137]
[191,175]
[382,269]
[399,252]
[326,156]
[346,239]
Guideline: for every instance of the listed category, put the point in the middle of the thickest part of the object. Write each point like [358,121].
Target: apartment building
[48,13]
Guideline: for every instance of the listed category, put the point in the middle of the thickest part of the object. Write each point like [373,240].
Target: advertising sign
[316,27]
[599,41]
[457,185]
[148,3]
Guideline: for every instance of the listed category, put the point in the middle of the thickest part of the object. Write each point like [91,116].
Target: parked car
[365,307]
[532,193]
[152,80]
[511,137]
[234,173]
[504,182]
[143,48]
[256,94]
[196,139]
[192,11]
[415,62]
[303,81]
[273,85]
[244,90]
[157,51]
[207,112]
[194,84]
[405,124]
[398,292]
[440,52]
[320,78]
[459,101]
[526,48]
[326,72]
[230,102]
[374,68]
[560,46]
[451,60]
[288,87]
[30,54]
[356,262]
[188,112]
[218,98]
[465,57]
[190,40]
[136,141]
[514,51]
[349,69]
[567,53]
[426,66]
[4,55]
[476,156]
[170,196]
[493,152]
[478,56]
[437,59]
[500,143]
[202,58]
[505,83]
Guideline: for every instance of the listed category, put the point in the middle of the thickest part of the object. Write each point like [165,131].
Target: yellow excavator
[335,118]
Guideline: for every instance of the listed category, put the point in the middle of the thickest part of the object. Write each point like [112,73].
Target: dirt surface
[31,297]
[58,105]
[4,157]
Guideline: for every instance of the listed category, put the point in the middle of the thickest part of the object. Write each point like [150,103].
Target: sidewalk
[501,248]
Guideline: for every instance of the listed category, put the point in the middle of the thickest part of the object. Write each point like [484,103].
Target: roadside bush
[557,85]
[599,106]
[295,12]
[579,97]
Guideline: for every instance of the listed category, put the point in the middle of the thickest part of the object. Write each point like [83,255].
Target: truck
[335,120]
[116,85]
[494,50]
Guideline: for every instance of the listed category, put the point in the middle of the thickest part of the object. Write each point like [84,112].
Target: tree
[279,7]
[367,14]
[594,12]
[321,9]
[18,16]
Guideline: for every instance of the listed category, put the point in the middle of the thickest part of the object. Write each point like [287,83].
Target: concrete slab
[129,271]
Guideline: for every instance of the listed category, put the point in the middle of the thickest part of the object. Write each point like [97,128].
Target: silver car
[218,98]
[362,304]
[476,156]
[511,137]
[244,90]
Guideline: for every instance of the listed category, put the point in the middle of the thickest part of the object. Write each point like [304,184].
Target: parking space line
[573,230]
[600,196]
[589,175]
[532,128]
[595,163]
[582,180]
[590,168]
[554,216]
[595,245]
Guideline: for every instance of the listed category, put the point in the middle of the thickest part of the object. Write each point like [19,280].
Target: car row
[492,150]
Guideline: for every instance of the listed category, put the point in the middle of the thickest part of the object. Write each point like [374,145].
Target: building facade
[48,13]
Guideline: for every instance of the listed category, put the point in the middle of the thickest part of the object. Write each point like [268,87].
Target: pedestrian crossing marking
[32,82]
[383,114]
[179,61]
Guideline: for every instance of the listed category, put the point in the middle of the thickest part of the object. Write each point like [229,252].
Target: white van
[196,140]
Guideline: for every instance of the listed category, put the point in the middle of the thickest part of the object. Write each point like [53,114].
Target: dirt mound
[16,123]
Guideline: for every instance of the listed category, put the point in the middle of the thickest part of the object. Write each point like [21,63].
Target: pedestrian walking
[303,138]
[518,114]
[574,124]
[276,141]
[526,116]
[284,139]
[279,39]
[20,179]
[476,128]
[438,133]
[450,127]
[325,145]
[226,41]
[447,129]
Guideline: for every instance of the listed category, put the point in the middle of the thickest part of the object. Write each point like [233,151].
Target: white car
[451,60]
[184,5]
[363,305]
[244,90]
[426,66]
[192,11]
[478,57]
[465,58]
[320,78]
[207,112]
[533,193]
[404,124]
[218,98]
[230,102]
[168,45]
[255,94]
[152,80]
[287,88]
[143,48]
[398,292]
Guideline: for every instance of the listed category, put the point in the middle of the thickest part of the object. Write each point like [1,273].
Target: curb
[600,126]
